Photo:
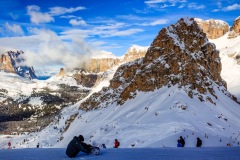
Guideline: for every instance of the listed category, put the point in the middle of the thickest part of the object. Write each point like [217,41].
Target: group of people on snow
[77,144]
[181,142]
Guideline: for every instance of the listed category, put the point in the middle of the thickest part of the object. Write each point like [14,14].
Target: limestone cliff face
[235,29]
[6,63]
[134,53]
[179,55]
[236,25]
[61,73]
[213,28]
[9,62]
[102,64]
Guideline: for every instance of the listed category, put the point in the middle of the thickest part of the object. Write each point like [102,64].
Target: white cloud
[215,10]
[232,7]
[38,17]
[123,33]
[156,22]
[195,6]
[163,1]
[181,6]
[77,22]
[55,11]
[154,1]
[46,48]
[15,29]
[68,16]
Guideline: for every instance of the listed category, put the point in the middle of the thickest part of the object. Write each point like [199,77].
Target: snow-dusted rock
[213,28]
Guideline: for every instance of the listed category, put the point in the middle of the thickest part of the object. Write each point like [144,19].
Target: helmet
[95,150]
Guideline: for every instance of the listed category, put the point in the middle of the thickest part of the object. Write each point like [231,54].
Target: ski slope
[220,153]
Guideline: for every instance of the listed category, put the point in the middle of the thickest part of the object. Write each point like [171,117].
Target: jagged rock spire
[180,55]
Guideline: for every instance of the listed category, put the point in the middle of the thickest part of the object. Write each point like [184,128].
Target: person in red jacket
[116,143]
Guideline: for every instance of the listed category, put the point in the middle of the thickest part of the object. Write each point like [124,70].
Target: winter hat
[81,138]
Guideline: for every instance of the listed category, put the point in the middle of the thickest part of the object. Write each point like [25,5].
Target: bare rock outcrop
[134,53]
[102,64]
[235,30]
[180,55]
[61,73]
[11,62]
[6,63]
[236,25]
[213,28]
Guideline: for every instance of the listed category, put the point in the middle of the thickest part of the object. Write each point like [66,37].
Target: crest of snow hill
[9,63]
[180,55]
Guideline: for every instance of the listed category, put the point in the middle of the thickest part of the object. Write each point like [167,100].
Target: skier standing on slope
[9,145]
[199,142]
[76,145]
[116,143]
[182,141]
[179,144]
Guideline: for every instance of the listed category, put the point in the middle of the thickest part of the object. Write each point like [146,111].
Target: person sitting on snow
[76,145]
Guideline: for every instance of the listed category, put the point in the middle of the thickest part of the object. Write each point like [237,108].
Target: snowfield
[220,153]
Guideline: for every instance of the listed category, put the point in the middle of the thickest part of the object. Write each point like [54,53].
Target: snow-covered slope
[229,48]
[154,119]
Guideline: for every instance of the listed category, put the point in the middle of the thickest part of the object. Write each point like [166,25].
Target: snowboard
[95,150]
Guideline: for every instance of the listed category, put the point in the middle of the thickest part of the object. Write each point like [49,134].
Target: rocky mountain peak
[134,53]
[10,61]
[235,29]
[180,55]
[213,28]
[236,25]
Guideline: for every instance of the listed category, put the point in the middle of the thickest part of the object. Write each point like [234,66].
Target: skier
[76,145]
[199,142]
[182,141]
[179,144]
[38,145]
[9,145]
[116,143]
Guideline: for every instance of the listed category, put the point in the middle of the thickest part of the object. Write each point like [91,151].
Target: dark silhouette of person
[199,142]
[182,141]
[76,145]
[179,144]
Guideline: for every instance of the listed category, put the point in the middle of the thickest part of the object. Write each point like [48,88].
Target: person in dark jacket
[179,144]
[182,141]
[199,142]
[76,145]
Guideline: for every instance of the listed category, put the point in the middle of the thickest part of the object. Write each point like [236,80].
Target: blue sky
[77,26]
